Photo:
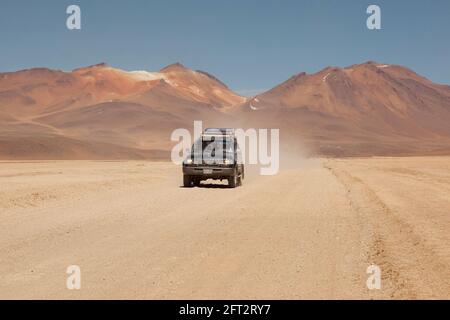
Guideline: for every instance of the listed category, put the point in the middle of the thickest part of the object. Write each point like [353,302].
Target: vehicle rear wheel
[187,181]
[232,181]
[239,181]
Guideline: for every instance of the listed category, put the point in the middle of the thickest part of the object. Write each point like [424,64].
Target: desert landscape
[86,179]
[100,112]
[309,232]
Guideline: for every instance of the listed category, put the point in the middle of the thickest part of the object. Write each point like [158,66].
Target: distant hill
[100,112]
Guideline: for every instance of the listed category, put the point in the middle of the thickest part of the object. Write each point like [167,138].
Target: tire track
[410,268]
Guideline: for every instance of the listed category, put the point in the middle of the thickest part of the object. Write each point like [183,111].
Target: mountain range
[101,112]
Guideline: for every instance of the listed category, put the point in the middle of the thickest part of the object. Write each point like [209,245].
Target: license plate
[207,171]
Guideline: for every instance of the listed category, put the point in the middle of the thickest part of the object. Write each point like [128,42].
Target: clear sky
[251,45]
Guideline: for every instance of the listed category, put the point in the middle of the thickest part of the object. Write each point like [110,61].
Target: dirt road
[309,232]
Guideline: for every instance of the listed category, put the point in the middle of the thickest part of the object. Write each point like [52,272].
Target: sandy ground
[309,232]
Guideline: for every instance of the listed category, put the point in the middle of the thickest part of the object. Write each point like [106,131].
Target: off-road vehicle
[215,155]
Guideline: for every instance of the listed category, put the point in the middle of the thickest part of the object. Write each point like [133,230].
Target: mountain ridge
[363,109]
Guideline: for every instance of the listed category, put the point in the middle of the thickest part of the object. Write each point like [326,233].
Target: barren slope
[366,109]
[361,110]
[103,108]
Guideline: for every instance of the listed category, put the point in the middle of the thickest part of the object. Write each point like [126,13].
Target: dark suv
[215,155]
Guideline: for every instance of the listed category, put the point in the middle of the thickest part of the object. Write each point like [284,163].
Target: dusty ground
[309,232]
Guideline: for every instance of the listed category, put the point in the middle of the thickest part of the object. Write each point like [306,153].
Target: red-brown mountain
[366,109]
[100,112]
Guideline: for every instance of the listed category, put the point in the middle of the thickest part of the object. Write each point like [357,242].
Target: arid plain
[309,232]
[375,189]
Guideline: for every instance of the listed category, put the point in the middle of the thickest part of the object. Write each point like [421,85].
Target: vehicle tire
[197,182]
[187,181]
[232,181]
[239,181]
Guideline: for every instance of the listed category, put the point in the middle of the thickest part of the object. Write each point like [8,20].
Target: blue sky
[251,45]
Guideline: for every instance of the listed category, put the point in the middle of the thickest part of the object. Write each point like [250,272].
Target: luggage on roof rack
[221,131]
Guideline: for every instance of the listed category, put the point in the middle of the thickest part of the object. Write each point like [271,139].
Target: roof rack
[219,131]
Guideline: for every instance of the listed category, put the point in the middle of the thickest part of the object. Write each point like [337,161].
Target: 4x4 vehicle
[215,155]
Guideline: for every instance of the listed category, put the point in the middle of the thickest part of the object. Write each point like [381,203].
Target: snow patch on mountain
[145,75]
[253,107]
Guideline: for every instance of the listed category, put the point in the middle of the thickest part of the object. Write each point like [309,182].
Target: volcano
[101,112]
[365,109]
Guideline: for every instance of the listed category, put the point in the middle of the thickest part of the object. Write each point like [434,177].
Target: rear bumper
[217,172]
